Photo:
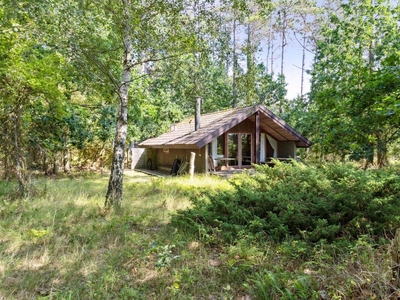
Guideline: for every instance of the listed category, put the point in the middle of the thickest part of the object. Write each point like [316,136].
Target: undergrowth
[58,244]
[311,204]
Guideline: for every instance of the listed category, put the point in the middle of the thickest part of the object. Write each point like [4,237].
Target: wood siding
[167,158]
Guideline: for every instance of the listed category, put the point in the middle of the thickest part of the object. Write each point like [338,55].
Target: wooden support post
[239,153]
[191,168]
[257,138]
[130,154]
[206,158]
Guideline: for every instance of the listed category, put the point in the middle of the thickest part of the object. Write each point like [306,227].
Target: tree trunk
[269,47]
[283,45]
[303,59]
[249,53]
[283,40]
[7,168]
[66,165]
[56,167]
[18,168]
[272,58]
[235,102]
[115,184]
[369,157]
[45,165]
[381,154]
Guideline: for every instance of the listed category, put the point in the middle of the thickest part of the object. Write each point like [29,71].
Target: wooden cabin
[228,139]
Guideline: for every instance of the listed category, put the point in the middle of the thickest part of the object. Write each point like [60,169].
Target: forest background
[81,79]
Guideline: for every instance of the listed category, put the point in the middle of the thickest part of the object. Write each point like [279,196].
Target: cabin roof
[183,134]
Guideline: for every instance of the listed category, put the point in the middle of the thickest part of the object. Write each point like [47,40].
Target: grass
[58,244]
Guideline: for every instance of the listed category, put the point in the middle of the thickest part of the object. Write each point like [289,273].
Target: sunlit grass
[59,244]
[153,201]
[59,240]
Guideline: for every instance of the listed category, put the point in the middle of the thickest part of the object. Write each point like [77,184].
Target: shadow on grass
[59,245]
[84,257]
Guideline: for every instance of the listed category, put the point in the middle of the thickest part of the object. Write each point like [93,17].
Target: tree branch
[153,59]
[302,46]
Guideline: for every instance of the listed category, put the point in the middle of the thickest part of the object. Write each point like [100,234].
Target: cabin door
[240,149]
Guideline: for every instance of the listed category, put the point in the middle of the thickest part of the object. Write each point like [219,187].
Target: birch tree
[111,41]
[150,32]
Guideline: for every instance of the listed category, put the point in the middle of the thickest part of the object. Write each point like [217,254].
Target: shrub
[305,202]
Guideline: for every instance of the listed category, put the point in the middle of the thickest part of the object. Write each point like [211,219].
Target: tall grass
[59,244]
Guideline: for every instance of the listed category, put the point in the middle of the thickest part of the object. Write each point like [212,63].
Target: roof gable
[183,134]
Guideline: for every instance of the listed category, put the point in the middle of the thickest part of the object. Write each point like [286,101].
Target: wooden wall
[138,158]
[167,158]
[244,127]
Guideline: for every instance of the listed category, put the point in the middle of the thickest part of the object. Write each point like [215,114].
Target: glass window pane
[221,145]
[232,147]
[246,149]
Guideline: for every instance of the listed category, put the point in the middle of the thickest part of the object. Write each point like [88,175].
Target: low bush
[59,244]
[294,200]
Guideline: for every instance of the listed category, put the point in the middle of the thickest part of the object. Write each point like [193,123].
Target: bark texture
[115,184]
[18,167]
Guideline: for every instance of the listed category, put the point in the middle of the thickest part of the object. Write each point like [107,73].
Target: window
[246,149]
[232,147]
[221,145]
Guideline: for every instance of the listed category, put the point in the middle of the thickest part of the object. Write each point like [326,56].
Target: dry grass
[59,245]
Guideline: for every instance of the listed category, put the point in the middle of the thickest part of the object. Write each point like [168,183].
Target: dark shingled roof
[213,125]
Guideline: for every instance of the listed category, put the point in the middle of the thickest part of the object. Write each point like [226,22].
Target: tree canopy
[356,80]
[81,79]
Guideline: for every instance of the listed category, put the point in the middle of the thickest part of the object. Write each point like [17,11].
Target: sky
[292,63]
[292,70]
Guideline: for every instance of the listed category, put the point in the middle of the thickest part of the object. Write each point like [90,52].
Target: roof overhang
[280,130]
[170,146]
[224,128]
[269,122]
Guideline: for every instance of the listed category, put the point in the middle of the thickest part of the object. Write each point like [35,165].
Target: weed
[58,244]
[281,284]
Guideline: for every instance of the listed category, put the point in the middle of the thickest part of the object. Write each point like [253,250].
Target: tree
[30,74]
[99,33]
[355,80]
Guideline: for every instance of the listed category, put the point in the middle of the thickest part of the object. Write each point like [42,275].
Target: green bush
[295,200]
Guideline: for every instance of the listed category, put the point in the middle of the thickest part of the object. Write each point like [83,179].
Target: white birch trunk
[283,44]
[115,184]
